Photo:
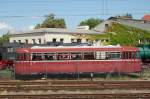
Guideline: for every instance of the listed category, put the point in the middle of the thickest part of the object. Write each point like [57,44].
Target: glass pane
[76,56]
[89,56]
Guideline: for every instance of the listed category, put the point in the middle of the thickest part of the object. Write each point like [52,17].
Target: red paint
[98,66]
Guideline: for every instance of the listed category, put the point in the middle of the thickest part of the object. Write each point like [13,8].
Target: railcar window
[114,55]
[62,56]
[129,55]
[37,56]
[107,55]
[50,56]
[137,55]
[89,56]
[23,57]
[101,55]
[76,56]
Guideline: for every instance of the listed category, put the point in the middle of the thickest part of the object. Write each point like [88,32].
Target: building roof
[146,17]
[102,26]
[58,30]
[141,24]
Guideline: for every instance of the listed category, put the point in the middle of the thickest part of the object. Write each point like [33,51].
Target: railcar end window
[130,55]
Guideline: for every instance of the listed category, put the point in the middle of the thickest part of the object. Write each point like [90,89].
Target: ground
[144,75]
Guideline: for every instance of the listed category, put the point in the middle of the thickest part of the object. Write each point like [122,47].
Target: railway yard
[83,75]
[75,89]
[114,86]
[74,49]
[111,87]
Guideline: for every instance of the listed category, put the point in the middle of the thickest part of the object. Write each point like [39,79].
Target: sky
[20,15]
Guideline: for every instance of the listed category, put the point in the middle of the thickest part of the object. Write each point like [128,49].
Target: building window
[26,41]
[96,40]
[107,40]
[39,41]
[10,50]
[61,40]
[54,40]
[87,40]
[14,41]
[106,26]
[33,40]
[72,41]
[19,41]
[78,40]
[102,40]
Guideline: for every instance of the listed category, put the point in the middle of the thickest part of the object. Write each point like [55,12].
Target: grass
[123,35]
[145,74]
[5,74]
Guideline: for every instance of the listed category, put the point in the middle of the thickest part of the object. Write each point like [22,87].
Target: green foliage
[125,35]
[4,38]
[91,22]
[97,36]
[52,22]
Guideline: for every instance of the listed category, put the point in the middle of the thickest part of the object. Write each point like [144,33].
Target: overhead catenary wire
[66,15]
[104,10]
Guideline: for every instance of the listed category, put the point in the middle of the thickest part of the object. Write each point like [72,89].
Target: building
[54,35]
[146,17]
[63,36]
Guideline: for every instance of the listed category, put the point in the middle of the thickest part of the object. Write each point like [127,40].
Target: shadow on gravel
[112,76]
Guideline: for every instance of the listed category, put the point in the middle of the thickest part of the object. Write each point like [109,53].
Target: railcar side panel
[100,66]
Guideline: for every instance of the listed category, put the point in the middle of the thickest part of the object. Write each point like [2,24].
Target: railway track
[73,85]
[25,87]
[80,96]
[66,82]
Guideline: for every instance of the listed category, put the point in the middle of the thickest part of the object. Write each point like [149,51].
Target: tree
[4,38]
[91,22]
[52,22]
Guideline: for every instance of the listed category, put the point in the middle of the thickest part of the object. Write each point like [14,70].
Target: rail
[80,96]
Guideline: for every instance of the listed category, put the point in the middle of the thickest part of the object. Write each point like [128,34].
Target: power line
[44,1]
[66,15]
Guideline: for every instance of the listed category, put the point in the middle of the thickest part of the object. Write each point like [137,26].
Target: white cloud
[31,27]
[28,28]
[4,28]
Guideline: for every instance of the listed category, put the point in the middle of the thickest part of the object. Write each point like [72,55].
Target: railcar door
[22,64]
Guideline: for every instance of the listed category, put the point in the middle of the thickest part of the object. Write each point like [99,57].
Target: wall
[45,37]
[29,37]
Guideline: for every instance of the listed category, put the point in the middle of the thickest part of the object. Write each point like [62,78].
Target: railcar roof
[37,49]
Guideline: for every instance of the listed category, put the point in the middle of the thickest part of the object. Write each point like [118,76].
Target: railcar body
[145,55]
[2,63]
[89,59]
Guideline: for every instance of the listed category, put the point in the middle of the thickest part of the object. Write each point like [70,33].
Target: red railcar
[3,64]
[89,59]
